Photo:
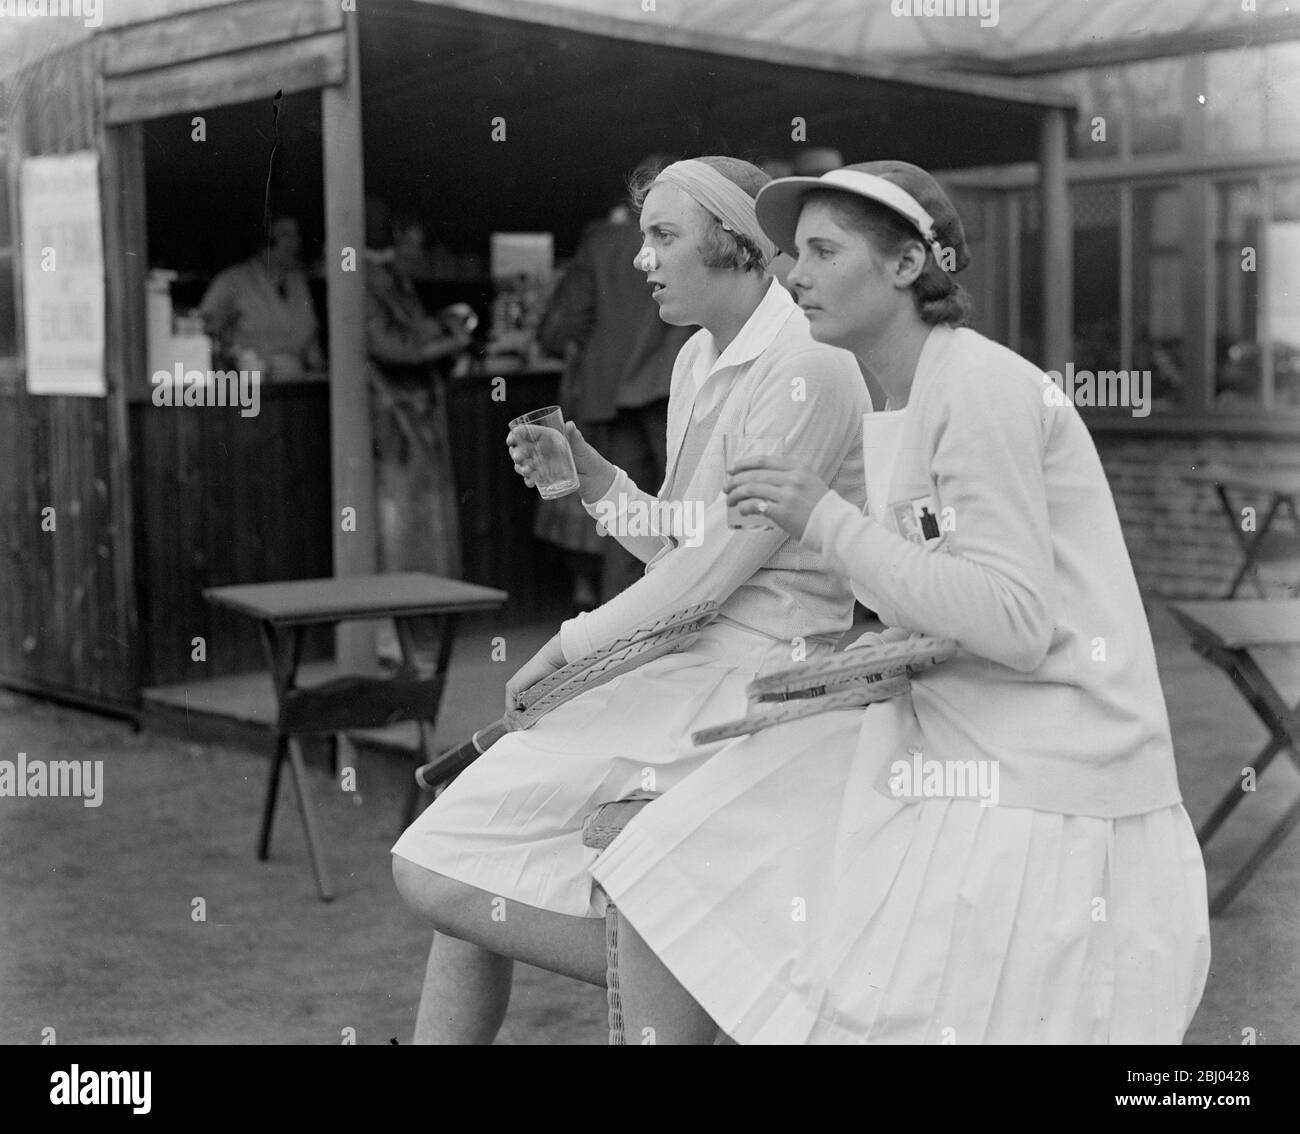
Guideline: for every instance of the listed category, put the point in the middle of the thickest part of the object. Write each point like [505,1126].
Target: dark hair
[939,298]
[719,247]
[402,223]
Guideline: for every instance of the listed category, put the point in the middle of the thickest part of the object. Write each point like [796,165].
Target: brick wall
[1176,531]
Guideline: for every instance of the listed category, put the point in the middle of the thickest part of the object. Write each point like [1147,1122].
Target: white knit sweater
[774,380]
[1028,571]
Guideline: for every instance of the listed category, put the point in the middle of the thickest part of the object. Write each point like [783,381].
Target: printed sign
[63,275]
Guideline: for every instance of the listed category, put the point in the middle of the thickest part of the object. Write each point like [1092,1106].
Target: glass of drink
[554,472]
[734,450]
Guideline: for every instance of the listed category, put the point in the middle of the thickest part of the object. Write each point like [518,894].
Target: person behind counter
[262,306]
[419,528]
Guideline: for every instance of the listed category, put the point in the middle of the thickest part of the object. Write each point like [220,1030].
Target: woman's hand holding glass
[776,488]
[528,452]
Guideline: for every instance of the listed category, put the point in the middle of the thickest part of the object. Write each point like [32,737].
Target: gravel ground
[102,940]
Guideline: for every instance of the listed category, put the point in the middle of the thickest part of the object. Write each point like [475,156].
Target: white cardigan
[777,382]
[1026,567]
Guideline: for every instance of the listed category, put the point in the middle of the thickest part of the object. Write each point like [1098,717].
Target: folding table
[1225,633]
[1281,492]
[285,610]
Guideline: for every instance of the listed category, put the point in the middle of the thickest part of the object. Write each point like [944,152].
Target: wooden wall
[66,609]
[496,507]
[220,498]
[225,499]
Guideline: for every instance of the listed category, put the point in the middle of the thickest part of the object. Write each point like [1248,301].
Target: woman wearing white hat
[496,863]
[1053,892]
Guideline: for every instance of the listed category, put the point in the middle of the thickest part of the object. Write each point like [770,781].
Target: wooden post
[122,182]
[1057,242]
[352,462]
[1012,219]
[1199,379]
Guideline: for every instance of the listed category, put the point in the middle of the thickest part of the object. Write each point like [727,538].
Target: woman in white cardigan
[1002,856]
[496,863]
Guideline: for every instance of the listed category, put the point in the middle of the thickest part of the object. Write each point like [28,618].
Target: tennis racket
[667,635]
[846,680]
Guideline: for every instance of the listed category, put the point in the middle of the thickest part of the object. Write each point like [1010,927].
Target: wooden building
[153,504]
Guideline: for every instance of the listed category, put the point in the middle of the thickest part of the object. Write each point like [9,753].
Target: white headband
[723,198]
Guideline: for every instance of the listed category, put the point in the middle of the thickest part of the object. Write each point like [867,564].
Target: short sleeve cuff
[574,639]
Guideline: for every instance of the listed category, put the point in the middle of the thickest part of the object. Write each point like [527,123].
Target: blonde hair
[719,247]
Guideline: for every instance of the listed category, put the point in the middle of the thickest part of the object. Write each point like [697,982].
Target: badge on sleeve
[917,519]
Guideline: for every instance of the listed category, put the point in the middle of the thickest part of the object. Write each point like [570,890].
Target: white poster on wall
[63,274]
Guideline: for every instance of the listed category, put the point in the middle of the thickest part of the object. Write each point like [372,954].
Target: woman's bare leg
[467,981]
[656,1008]
[465,995]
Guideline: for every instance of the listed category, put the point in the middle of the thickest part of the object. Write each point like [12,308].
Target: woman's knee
[428,893]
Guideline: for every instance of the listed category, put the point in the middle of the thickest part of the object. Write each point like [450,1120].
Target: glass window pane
[1154,91]
[1236,294]
[1234,102]
[1158,321]
[1096,277]
[1282,247]
[1282,95]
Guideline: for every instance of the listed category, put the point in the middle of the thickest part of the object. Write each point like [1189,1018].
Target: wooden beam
[665,33]
[215,31]
[304,64]
[1263,281]
[1056,233]
[1011,293]
[1140,167]
[1198,251]
[352,460]
[1126,237]
[1133,49]
[126,258]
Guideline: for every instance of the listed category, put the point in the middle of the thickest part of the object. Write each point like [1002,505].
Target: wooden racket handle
[852,667]
[456,760]
[780,712]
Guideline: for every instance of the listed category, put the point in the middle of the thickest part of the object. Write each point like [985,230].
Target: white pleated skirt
[800,904]
[511,823]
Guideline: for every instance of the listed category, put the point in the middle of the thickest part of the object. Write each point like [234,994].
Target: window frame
[1197,175]
[12,365]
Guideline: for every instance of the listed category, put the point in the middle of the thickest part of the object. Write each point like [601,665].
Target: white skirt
[799,904]
[511,823]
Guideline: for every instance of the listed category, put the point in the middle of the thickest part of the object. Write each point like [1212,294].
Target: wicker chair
[600,829]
